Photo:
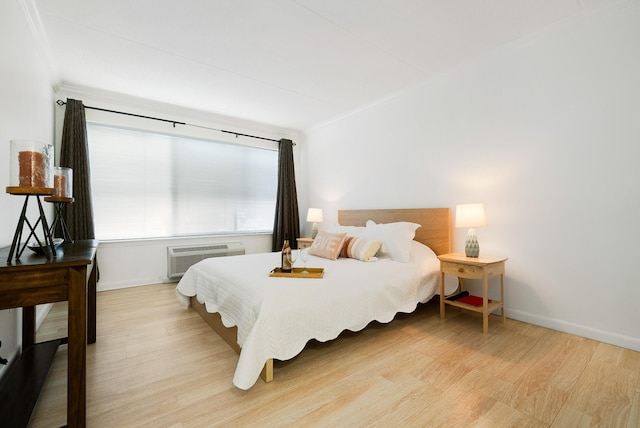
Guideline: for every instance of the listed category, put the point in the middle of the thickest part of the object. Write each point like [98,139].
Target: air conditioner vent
[181,258]
[178,250]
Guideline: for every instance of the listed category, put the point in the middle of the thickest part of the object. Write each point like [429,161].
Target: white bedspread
[277,316]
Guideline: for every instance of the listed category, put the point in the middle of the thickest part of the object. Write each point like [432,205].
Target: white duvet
[276,317]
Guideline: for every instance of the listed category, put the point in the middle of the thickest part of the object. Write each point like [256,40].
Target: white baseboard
[117,285]
[577,329]
[41,313]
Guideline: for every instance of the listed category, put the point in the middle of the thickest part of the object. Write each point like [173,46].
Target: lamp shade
[314,215]
[470,215]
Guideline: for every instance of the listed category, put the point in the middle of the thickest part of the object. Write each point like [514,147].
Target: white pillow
[396,238]
[429,263]
[349,230]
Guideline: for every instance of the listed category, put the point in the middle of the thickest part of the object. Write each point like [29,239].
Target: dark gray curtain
[74,153]
[287,219]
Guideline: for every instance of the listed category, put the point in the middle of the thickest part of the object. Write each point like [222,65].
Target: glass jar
[63,182]
[31,164]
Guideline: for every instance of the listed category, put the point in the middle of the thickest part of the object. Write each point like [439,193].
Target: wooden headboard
[434,233]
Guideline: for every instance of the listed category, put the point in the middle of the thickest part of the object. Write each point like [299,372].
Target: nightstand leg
[442,296]
[485,303]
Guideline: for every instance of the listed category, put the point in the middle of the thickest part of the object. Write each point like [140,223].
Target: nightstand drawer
[461,270]
[304,243]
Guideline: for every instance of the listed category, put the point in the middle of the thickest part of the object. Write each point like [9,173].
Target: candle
[32,171]
[60,186]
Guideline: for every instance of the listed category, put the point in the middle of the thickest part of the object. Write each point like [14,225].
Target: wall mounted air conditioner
[181,258]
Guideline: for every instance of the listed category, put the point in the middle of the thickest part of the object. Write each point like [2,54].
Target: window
[150,185]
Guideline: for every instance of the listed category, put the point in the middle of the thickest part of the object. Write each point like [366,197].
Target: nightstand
[304,243]
[473,268]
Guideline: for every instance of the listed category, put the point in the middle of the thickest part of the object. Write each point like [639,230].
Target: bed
[265,318]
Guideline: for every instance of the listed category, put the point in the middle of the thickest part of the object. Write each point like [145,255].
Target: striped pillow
[360,248]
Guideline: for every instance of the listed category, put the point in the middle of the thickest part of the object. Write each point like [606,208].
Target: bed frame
[435,232]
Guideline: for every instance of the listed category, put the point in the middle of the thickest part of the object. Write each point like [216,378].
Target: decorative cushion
[395,237]
[360,248]
[327,245]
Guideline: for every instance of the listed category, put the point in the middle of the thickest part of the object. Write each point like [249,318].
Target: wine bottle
[286,261]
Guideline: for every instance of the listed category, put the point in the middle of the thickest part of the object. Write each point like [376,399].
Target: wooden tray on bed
[298,273]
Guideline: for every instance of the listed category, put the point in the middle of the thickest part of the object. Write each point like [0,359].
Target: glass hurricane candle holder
[63,182]
[31,164]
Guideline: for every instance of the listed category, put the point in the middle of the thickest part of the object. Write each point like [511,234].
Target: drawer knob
[460,269]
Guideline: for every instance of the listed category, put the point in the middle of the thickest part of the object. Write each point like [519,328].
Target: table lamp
[471,216]
[314,215]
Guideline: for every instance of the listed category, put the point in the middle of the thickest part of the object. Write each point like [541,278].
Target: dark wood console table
[35,280]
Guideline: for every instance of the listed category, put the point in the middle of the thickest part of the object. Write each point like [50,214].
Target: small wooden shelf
[58,199]
[23,381]
[481,268]
[41,191]
[492,305]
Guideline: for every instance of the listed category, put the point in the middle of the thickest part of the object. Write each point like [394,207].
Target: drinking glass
[292,256]
[304,255]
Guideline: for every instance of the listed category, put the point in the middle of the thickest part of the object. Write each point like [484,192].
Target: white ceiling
[290,63]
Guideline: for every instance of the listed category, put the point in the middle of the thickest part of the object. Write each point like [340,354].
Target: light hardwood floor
[157,364]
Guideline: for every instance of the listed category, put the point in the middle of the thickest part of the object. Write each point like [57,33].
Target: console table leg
[77,364]
[28,326]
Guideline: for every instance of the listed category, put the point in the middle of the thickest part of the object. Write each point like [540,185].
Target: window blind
[151,185]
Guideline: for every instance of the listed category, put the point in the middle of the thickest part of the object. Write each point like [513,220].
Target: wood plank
[156,363]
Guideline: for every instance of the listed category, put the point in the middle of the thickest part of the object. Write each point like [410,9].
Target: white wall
[545,132]
[26,112]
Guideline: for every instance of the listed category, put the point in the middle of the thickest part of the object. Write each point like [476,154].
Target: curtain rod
[175,122]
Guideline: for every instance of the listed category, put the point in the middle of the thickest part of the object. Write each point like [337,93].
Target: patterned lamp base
[471,246]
